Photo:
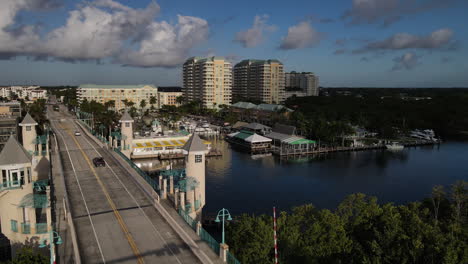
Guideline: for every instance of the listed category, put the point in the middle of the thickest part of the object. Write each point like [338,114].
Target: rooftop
[110,86]
[126,117]
[170,89]
[14,153]
[257,62]
[28,120]
[194,144]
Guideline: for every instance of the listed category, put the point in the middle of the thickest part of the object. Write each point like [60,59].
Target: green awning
[34,201]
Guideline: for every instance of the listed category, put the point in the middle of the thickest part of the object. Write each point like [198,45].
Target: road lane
[152,236]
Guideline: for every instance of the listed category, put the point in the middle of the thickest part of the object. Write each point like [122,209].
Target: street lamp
[223,213]
[52,236]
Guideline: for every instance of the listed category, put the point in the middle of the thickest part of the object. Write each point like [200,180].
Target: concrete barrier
[93,138]
[71,225]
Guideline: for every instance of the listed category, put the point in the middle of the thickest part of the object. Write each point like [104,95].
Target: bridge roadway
[115,222]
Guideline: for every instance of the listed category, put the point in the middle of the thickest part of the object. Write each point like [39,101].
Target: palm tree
[180,100]
[152,101]
[142,104]
[110,104]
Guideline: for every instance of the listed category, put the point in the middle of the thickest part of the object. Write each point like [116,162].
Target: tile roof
[28,120]
[14,153]
[194,144]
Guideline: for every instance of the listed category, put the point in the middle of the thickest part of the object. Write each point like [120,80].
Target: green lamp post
[224,213]
[52,236]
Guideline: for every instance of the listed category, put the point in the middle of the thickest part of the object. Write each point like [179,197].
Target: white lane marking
[82,196]
[133,198]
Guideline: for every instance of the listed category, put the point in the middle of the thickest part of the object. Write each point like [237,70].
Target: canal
[254,185]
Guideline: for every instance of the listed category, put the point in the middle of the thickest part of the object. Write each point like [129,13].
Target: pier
[285,153]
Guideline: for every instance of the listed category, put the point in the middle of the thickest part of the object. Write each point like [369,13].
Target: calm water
[242,184]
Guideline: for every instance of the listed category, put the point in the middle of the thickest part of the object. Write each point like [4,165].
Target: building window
[127,124]
[198,158]
[28,128]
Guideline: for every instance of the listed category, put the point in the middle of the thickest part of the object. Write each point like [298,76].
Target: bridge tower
[126,129]
[196,152]
[28,126]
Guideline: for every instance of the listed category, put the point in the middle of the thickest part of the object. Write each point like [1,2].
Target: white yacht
[394,146]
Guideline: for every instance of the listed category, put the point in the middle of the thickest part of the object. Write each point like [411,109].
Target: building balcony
[41,228]
[26,228]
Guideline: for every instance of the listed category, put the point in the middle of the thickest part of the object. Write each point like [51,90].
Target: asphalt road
[115,222]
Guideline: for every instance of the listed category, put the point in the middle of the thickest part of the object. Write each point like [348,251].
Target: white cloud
[167,45]
[254,35]
[102,29]
[407,61]
[436,40]
[300,36]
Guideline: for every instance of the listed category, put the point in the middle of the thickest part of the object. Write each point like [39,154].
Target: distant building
[261,80]
[208,80]
[301,84]
[262,113]
[9,114]
[117,93]
[23,92]
[168,95]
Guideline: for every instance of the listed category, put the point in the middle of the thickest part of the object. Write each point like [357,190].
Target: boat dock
[298,152]
[172,156]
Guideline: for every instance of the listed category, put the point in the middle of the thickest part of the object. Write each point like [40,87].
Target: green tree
[438,194]
[110,104]
[26,255]
[142,104]
[152,101]
[460,197]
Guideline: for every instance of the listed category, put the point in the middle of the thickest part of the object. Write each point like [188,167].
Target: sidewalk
[64,252]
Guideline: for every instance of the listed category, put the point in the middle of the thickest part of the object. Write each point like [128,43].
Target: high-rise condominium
[262,80]
[302,83]
[208,80]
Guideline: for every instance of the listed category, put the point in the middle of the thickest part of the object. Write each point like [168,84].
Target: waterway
[254,185]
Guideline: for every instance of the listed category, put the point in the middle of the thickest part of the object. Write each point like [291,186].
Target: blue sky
[368,43]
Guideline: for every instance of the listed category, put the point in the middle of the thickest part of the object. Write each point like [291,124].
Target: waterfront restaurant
[250,141]
[289,145]
[151,147]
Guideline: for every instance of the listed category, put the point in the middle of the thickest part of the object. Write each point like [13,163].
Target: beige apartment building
[118,93]
[169,95]
[208,80]
[301,84]
[262,80]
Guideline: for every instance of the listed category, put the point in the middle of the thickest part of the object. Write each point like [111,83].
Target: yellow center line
[122,224]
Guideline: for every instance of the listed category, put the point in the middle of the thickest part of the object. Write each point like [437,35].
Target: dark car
[99,162]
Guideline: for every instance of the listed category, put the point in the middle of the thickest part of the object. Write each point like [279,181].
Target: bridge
[105,214]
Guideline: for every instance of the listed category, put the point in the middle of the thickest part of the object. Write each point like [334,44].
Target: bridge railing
[205,236]
[231,259]
[148,179]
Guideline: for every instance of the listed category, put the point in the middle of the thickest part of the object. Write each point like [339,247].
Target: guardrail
[9,185]
[205,236]
[143,174]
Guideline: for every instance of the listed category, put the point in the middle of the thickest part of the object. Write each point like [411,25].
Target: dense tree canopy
[359,231]
[386,111]
[27,255]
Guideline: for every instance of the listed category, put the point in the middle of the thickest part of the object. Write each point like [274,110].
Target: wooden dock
[171,156]
[298,153]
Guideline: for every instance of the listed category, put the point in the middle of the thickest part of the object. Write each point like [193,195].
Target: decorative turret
[196,151]
[126,128]
[29,133]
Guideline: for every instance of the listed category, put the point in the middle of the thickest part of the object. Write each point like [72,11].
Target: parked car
[99,162]
[77,133]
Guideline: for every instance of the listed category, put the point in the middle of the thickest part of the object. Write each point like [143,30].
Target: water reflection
[244,184]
